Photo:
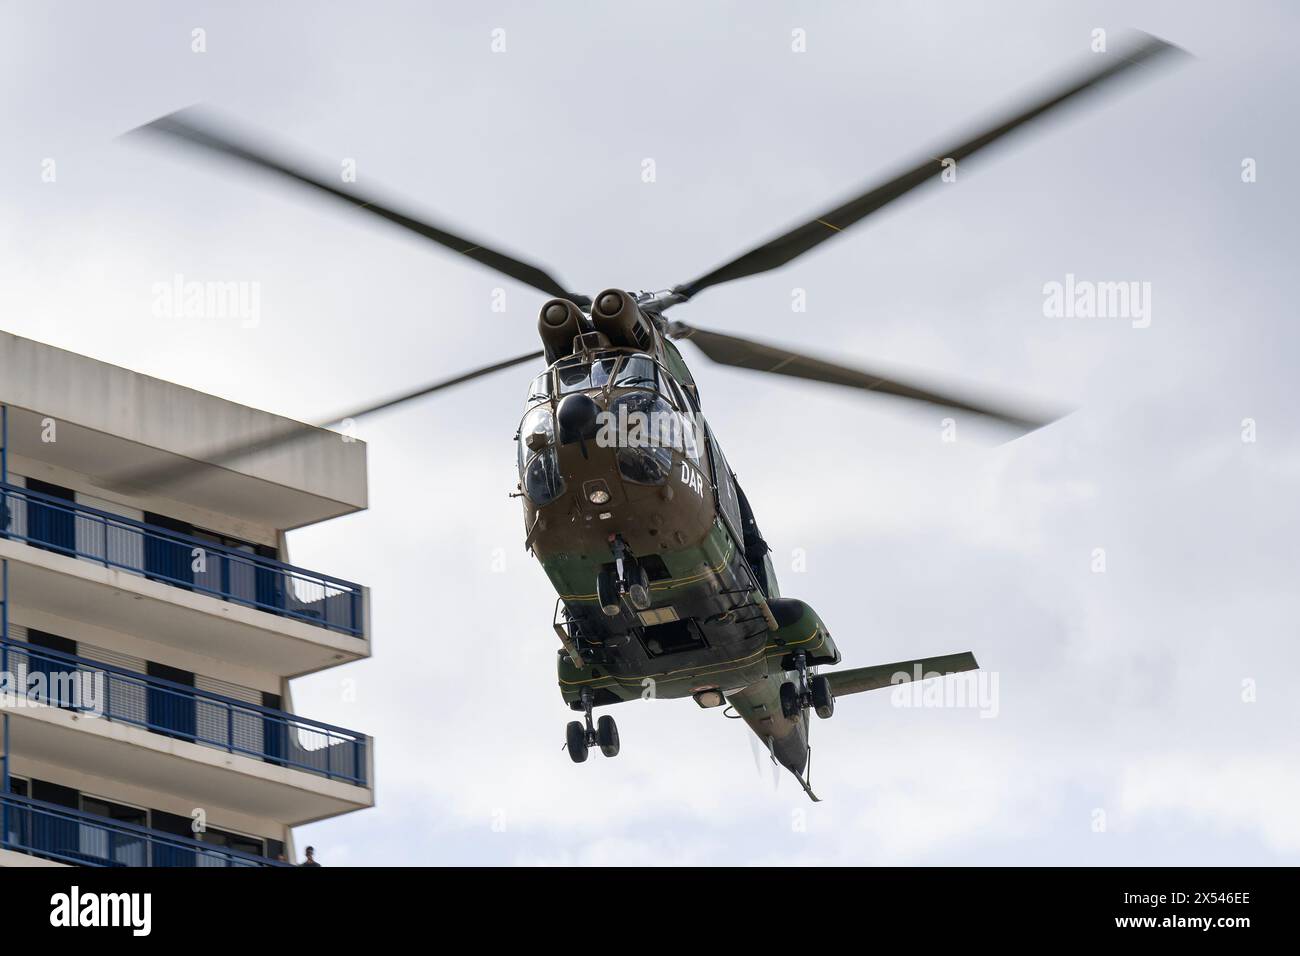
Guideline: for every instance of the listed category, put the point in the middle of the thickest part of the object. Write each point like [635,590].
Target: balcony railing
[71,836]
[46,677]
[182,560]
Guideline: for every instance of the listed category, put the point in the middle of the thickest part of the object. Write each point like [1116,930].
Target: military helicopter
[665,584]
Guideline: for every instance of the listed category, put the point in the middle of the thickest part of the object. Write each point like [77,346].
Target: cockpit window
[645,448]
[578,375]
[539,471]
[637,371]
[538,422]
[542,480]
[677,394]
[540,389]
[688,394]
[573,376]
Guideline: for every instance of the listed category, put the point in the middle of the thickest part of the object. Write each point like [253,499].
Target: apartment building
[151,622]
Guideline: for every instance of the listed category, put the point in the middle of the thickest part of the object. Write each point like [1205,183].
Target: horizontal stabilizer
[884,675]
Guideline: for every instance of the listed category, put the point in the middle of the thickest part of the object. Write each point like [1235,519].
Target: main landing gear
[811,691]
[797,696]
[580,738]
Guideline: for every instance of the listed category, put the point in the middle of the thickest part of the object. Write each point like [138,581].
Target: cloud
[1119,689]
[1257,793]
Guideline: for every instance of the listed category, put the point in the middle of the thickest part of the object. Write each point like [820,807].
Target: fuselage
[664,582]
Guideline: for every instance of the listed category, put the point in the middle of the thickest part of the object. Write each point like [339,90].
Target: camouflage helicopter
[665,583]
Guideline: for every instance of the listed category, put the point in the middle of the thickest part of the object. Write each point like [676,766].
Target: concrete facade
[147,565]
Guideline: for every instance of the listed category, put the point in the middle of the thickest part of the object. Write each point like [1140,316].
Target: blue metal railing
[44,676]
[71,836]
[183,560]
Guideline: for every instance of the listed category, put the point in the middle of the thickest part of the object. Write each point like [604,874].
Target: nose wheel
[626,578]
[580,735]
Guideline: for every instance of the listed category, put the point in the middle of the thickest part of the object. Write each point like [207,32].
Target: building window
[123,849]
[234,841]
[165,559]
[176,563]
[59,677]
[51,526]
[171,710]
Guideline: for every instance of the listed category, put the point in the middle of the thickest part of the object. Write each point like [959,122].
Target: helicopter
[665,585]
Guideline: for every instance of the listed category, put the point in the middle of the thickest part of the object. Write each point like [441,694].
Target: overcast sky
[1146,714]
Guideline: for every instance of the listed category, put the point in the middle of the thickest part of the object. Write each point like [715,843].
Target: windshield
[577,375]
[637,371]
[649,432]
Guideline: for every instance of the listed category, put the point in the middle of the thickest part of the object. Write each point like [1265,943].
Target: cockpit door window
[687,426]
[728,503]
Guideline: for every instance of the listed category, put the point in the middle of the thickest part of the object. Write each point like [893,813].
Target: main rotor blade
[777,252]
[295,431]
[189,127]
[746,353]
[430,389]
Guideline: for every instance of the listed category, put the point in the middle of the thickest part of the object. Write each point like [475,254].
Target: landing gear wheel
[638,587]
[607,736]
[575,741]
[823,700]
[789,700]
[607,594]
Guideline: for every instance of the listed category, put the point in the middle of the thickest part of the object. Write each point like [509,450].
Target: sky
[1126,576]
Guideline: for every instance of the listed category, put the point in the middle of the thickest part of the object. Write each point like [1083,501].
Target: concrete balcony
[115,425]
[214,750]
[35,833]
[79,562]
